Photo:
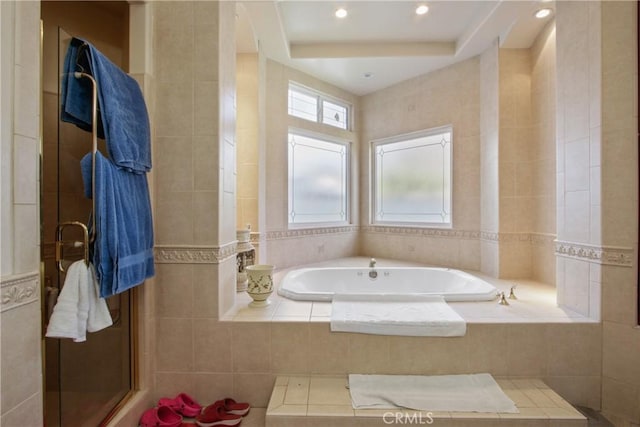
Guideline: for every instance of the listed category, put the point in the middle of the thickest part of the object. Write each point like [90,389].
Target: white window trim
[335,140]
[373,185]
[322,97]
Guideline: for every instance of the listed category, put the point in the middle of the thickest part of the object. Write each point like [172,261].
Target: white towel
[99,317]
[456,393]
[408,315]
[79,309]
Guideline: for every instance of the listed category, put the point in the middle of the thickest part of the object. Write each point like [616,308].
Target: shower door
[84,382]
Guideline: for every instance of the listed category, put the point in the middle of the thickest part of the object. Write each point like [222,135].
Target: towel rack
[89,236]
[94,147]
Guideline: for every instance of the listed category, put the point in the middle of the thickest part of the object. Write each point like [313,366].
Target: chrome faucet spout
[372,265]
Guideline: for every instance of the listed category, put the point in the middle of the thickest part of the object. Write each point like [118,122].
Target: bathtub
[320,284]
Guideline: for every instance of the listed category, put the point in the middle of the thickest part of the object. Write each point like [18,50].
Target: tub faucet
[372,265]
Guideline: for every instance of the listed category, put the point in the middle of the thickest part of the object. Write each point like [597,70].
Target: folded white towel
[79,308]
[99,317]
[409,315]
[458,393]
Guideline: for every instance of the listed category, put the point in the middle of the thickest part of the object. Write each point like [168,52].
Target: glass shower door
[84,381]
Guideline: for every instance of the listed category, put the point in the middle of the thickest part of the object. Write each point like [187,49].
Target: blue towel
[123,119]
[123,250]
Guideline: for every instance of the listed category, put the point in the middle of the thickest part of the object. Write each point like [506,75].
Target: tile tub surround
[316,400]
[536,301]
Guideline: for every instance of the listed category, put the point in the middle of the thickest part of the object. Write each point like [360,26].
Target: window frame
[374,186]
[321,98]
[347,176]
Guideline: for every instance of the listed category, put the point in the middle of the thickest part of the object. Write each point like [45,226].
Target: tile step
[324,401]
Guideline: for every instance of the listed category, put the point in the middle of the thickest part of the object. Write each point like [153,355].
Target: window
[316,107]
[412,179]
[318,179]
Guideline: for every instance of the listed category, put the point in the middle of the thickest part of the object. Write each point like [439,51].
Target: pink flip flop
[215,415]
[162,416]
[235,408]
[182,404]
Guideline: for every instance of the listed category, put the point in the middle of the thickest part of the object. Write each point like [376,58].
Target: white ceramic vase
[260,284]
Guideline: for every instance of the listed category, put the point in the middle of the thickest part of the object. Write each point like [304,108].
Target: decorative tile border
[507,237]
[543,239]
[608,255]
[19,290]
[194,254]
[534,238]
[255,237]
[426,232]
[305,232]
[490,236]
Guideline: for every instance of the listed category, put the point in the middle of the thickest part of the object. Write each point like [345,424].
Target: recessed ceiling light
[422,9]
[543,13]
[341,13]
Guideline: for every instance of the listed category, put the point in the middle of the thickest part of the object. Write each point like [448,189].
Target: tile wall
[578,135]
[514,163]
[286,248]
[489,149]
[449,96]
[247,140]
[20,320]
[614,185]
[543,154]
[195,191]
[565,356]
[489,101]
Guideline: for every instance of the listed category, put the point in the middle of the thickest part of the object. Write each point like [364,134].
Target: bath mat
[407,315]
[456,393]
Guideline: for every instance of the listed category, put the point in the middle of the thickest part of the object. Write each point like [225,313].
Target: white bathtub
[319,284]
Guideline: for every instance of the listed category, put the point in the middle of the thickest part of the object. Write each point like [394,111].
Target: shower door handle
[50,299]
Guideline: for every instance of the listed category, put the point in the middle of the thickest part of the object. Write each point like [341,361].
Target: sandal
[215,415]
[182,404]
[162,416]
[235,408]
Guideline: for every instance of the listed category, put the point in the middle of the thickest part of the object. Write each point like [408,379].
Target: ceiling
[381,43]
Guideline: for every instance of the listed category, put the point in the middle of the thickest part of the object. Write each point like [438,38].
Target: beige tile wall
[21,373]
[320,245]
[20,357]
[195,193]
[447,96]
[450,96]
[310,248]
[565,355]
[489,148]
[517,159]
[247,140]
[614,183]
[578,97]
[515,168]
